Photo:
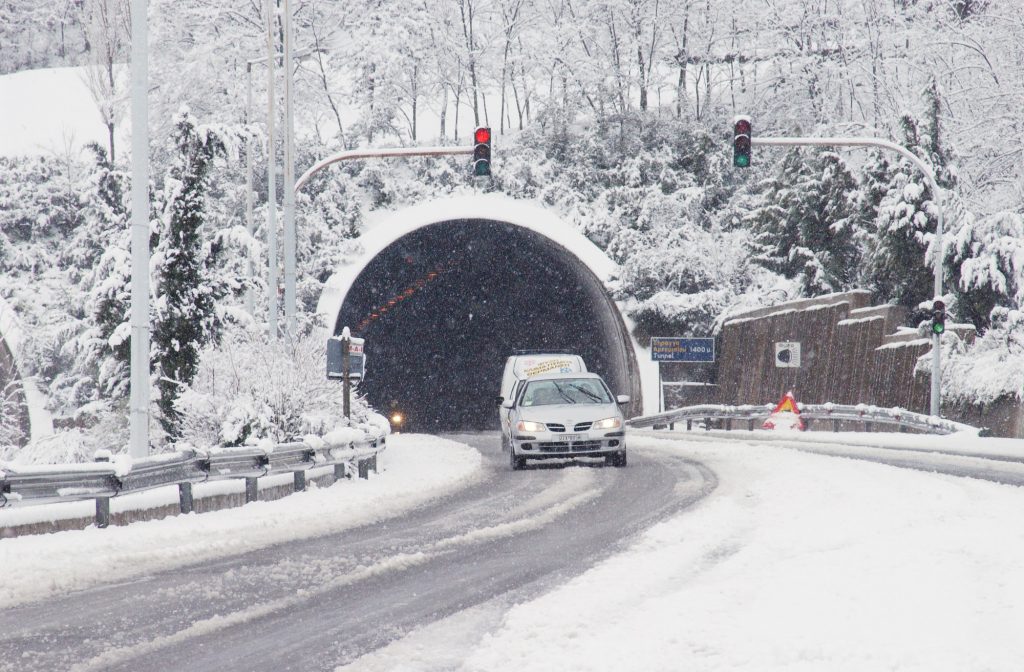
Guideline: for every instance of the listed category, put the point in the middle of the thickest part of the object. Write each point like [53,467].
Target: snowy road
[322,602]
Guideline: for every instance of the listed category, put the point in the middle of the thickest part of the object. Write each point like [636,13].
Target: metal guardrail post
[750,425]
[102,512]
[373,464]
[185,501]
[835,425]
[251,489]
[364,468]
[707,424]
[300,481]
[689,425]
[339,472]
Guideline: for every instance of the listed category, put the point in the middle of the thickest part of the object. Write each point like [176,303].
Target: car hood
[569,414]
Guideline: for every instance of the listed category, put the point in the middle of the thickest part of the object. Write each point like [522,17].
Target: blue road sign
[679,349]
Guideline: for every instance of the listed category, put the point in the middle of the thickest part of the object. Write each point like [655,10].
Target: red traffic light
[483,134]
[742,127]
[939,305]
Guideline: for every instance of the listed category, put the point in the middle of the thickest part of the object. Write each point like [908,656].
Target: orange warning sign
[786,415]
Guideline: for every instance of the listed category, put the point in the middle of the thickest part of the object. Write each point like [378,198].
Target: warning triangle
[786,415]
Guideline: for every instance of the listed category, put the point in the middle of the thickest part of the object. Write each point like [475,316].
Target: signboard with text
[682,349]
[356,358]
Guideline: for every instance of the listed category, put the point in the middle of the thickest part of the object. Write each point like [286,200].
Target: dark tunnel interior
[443,307]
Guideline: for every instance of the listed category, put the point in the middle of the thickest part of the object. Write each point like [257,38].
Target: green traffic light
[938,327]
[741,160]
[482,168]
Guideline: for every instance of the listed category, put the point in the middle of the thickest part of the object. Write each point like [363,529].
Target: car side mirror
[508,403]
[498,400]
[623,398]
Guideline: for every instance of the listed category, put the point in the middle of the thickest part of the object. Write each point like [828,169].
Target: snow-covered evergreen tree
[104,213]
[986,261]
[897,268]
[185,308]
[806,226]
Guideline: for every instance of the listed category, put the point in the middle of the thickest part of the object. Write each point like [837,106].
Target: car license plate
[570,437]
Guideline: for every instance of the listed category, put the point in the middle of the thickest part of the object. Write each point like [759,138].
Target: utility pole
[139,399]
[939,247]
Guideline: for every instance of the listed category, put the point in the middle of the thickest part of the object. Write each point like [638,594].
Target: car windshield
[565,391]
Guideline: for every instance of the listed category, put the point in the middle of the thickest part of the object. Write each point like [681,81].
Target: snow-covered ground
[796,562]
[415,470]
[47,111]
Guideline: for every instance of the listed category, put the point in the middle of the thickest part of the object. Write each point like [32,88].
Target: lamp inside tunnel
[441,309]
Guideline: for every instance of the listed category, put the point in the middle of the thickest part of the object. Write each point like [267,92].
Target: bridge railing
[837,417]
[103,479]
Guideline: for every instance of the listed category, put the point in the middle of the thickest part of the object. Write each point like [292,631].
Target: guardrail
[863,416]
[104,479]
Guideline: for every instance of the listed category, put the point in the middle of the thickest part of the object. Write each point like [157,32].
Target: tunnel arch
[506,275]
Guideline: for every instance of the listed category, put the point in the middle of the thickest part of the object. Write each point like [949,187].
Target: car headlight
[607,423]
[527,426]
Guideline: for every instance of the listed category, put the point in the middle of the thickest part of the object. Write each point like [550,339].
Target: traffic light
[938,317]
[482,151]
[741,142]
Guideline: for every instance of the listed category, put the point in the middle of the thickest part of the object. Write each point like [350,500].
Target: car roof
[564,376]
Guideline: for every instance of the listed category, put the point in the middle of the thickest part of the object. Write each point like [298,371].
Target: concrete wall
[851,353]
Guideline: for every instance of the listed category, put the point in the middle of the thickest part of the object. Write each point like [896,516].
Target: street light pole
[250,301]
[139,398]
[271,181]
[289,173]
[939,247]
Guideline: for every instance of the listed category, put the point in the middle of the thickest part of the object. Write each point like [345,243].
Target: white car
[565,415]
[524,364]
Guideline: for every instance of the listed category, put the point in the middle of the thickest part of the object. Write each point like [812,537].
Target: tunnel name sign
[356,358]
[680,349]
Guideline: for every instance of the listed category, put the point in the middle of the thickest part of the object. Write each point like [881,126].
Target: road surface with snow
[325,601]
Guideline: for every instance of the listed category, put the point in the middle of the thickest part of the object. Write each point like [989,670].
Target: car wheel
[616,459]
[515,461]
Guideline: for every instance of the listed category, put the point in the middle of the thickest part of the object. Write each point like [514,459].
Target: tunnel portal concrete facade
[444,292]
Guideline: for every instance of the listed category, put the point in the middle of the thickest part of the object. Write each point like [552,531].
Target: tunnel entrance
[442,308]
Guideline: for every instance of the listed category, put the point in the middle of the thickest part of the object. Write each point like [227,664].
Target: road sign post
[679,349]
[346,370]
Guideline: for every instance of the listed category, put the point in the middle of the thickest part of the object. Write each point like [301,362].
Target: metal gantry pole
[939,248]
[381,153]
[289,173]
[139,398]
[271,182]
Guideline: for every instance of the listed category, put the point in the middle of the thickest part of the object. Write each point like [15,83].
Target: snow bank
[797,562]
[418,469]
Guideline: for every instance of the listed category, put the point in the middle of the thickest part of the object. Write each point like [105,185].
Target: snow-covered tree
[249,388]
[986,260]
[897,268]
[806,225]
[107,28]
[185,307]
